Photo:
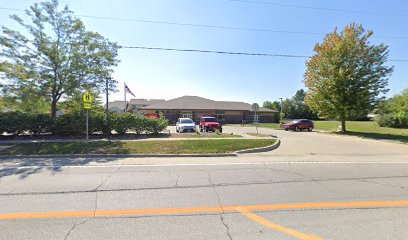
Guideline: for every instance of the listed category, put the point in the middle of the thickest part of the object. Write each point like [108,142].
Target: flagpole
[124,92]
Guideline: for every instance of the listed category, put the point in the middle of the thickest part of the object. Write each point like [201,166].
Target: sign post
[87,105]
[255,108]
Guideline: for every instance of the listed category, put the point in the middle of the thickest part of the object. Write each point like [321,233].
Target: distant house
[135,105]
[117,106]
[195,107]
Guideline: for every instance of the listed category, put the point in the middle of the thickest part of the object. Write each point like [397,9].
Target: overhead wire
[222,27]
[317,8]
[210,26]
[231,53]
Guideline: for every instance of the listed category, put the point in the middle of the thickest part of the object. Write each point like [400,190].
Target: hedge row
[74,123]
[397,120]
[18,122]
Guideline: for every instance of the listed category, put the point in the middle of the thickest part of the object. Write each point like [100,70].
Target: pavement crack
[106,179]
[219,204]
[325,186]
[226,225]
[215,191]
[178,177]
[381,184]
[291,171]
[75,226]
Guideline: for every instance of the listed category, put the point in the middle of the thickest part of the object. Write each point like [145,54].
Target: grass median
[138,147]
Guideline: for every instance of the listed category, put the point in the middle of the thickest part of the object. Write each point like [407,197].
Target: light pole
[280,110]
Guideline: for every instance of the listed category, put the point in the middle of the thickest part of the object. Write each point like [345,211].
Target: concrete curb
[120,155]
[261,149]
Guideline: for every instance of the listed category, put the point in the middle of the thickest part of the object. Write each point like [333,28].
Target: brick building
[195,107]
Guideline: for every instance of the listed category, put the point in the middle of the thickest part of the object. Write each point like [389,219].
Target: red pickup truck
[209,124]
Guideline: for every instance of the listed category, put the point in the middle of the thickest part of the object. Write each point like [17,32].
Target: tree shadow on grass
[380,136]
[25,165]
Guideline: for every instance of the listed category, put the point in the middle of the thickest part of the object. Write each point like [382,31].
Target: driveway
[315,143]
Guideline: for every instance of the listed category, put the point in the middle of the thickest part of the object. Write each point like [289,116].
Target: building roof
[117,104]
[199,103]
[141,101]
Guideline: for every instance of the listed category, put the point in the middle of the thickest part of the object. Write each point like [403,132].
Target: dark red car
[209,124]
[299,124]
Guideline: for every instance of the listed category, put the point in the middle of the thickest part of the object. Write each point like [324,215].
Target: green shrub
[19,122]
[38,123]
[13,122]
[156,125]
[98,122]
[139,124]
[394,111]
[122,122]
[74,122]
[69,123]
[399,120]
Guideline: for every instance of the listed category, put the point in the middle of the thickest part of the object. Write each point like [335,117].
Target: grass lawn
[138,147]
[259,135]
[266,125]
[368,129]
[194,135]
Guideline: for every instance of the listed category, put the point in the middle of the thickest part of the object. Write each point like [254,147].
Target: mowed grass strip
[138,147]
[366,129]
[194,135]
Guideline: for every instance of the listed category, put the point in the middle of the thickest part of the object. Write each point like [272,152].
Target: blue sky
[159,74]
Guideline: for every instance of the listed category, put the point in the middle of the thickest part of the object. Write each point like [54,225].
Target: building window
[220,115]
[187,115]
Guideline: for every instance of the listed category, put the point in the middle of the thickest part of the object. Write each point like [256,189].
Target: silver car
[184,125]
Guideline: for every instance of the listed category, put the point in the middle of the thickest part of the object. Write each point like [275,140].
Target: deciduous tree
[54,55]
[347,75]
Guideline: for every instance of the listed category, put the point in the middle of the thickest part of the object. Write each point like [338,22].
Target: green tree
[294,107]
[275,105]
[347,74]
[299,109]
[394,111]
[56,56]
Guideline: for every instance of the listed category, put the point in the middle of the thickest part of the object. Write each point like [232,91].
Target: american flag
[127,90]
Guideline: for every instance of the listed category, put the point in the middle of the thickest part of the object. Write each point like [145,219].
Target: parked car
[209,124]
[184,125]
[299,124]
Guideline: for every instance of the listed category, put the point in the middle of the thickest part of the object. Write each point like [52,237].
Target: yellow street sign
[87,98]
[87,105]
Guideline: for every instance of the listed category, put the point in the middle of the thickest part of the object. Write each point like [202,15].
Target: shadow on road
[25,166]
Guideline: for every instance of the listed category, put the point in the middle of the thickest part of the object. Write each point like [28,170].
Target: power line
[217,52]
[231,53]
[201,25]
[209,26]
[316,8]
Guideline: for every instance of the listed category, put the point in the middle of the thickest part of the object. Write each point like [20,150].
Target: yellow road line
[275,226]
[170,211]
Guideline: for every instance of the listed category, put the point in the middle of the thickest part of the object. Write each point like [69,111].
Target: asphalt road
[315,186]
[351,200]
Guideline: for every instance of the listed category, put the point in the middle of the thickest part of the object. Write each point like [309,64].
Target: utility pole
[124,92]
[280,110]
[107,110]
